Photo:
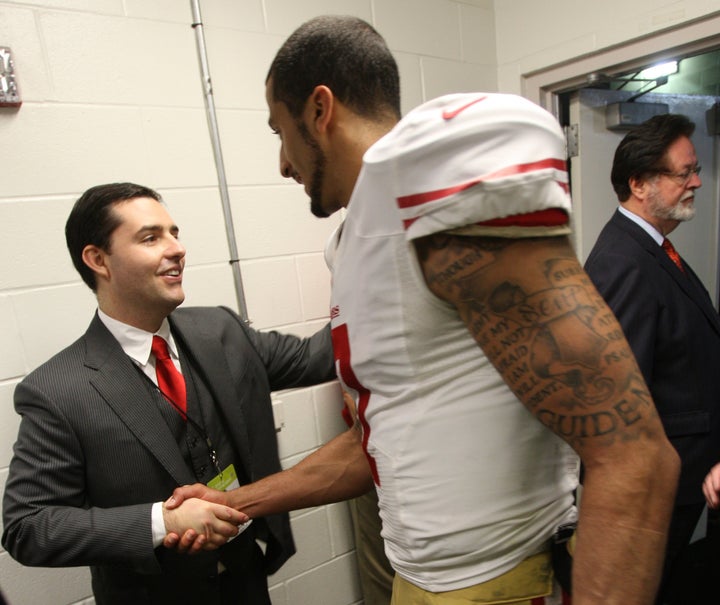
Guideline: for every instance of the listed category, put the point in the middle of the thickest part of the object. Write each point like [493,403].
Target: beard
[318,175]
[678,212]
[316,187]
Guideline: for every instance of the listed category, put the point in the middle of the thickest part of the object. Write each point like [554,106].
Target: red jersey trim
[550,217]
[418,199]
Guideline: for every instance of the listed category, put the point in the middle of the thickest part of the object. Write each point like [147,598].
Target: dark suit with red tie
[98,444]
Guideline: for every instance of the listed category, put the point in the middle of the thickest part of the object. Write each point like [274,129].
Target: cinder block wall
[111,91]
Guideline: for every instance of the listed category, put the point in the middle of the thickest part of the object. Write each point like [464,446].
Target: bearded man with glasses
[668,318]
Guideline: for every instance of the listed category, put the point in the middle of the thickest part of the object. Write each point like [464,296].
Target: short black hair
[92,222]
[347,55]
[642,151]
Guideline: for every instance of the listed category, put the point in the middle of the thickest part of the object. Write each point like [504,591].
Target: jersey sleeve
[478,164]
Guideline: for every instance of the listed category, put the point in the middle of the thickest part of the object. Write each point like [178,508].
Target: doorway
[594,132]
[590,116]
[551,87]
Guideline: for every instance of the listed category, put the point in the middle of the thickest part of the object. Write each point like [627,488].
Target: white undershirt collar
[641,222]
[137,343]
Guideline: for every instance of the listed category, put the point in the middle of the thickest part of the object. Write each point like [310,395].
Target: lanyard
[208,442]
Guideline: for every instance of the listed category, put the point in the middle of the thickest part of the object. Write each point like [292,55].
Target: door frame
[693,37]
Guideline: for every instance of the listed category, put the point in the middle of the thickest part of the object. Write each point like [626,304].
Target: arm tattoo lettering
[545,328]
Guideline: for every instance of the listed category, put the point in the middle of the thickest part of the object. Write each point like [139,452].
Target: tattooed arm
[585,387]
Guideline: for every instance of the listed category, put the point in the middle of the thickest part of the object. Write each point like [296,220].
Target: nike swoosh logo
[449,114]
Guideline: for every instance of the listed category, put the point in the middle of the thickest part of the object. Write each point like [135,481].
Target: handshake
[198,518]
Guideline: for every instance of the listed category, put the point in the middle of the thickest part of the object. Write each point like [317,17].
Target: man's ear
[94,258]
[319,108]
[639,187]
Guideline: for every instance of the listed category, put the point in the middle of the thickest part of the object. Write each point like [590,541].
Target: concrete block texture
[112,91]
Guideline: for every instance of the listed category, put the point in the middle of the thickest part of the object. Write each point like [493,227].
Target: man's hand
[711,487]
[211,524]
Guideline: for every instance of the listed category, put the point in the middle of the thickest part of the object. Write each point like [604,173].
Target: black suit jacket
[674,331]
[93,452]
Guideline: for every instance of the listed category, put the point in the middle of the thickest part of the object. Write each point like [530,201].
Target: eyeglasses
[681,178]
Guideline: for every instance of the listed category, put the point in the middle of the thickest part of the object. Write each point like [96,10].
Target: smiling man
[667,316]
[148,399]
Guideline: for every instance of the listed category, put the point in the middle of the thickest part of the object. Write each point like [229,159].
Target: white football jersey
[470,483]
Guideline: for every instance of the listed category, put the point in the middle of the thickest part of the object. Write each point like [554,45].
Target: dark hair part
[347,55]
[642,152]
[92,221]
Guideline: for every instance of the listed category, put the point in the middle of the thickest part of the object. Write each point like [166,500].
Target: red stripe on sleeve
[550,217]
[418,199]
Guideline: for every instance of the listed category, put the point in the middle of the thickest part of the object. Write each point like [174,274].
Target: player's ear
[319,108]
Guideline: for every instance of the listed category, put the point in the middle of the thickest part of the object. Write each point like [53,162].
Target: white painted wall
[111,91]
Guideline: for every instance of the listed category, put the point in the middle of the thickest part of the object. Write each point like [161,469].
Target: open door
[592,149]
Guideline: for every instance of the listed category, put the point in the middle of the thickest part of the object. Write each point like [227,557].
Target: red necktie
[170,381]
[672,253]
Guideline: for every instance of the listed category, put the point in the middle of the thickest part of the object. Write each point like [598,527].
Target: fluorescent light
[658,71]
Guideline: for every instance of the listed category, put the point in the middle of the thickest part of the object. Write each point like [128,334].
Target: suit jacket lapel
[120,384]
[209,357]
[690,283]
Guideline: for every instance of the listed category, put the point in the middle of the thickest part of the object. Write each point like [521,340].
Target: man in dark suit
[104,440]
[666,314]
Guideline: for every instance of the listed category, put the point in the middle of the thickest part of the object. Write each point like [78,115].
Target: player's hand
[196,490]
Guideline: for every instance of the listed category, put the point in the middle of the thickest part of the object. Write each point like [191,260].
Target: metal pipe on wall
[217,152]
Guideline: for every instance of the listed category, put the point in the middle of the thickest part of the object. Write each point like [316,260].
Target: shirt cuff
[158,524]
